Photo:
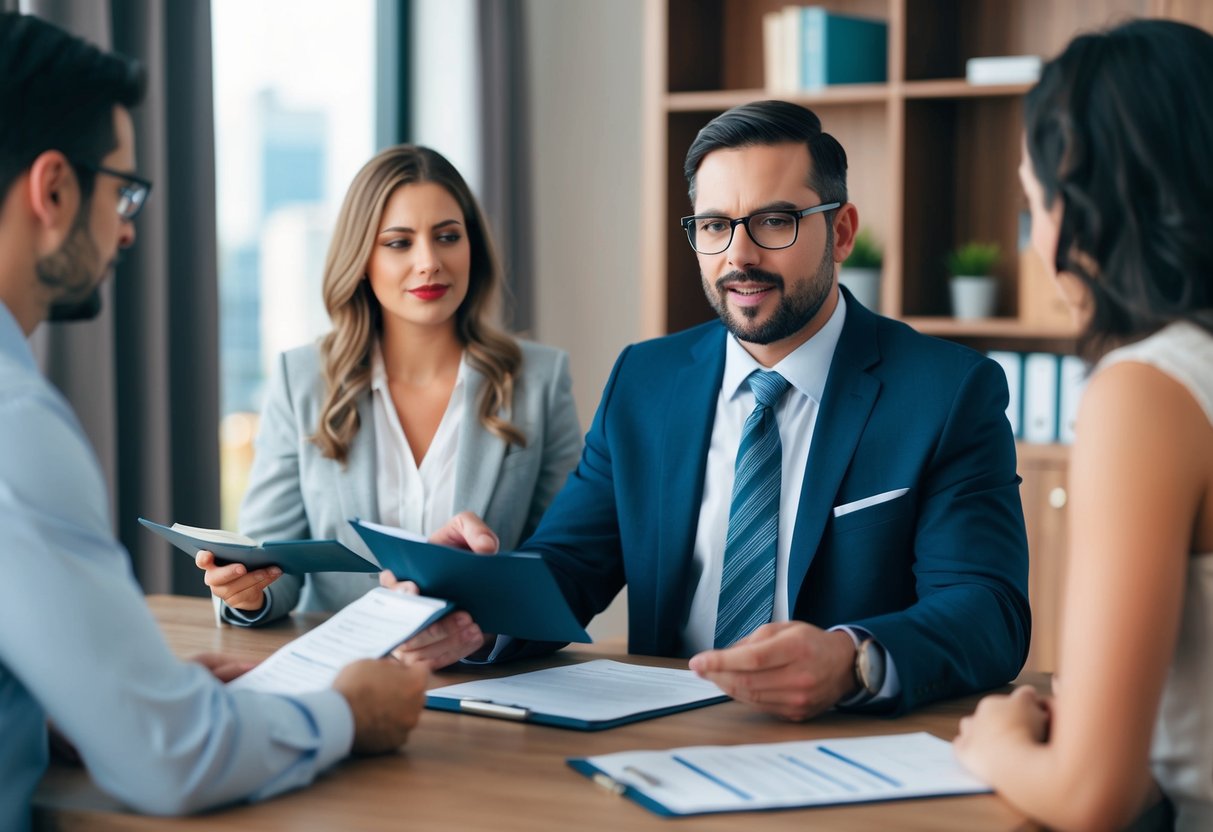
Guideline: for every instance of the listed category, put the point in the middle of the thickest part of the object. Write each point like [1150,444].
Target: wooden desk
[461,772]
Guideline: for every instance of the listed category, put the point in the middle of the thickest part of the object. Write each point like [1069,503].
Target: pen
[643,775]
[612,786]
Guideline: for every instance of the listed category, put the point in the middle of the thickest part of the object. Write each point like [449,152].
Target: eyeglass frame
[134,183]
[687,222]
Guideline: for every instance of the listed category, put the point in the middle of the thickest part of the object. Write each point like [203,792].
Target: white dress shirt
[417,498]
[80,647]
[806,370]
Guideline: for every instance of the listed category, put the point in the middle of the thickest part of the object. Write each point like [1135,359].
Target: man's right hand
[385,698]
[467,531]
[234,584]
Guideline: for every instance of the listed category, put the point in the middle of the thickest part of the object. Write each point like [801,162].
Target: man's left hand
[789,668]
[224,668]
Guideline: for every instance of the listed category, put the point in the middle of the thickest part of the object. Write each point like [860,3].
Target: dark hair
[58,92]
[1119,127]
[775,122]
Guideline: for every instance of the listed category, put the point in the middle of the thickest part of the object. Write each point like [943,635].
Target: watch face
[869,664]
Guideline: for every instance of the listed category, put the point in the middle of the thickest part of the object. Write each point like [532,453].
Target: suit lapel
[686,434]
[356,480]
[478,463]
[846,402]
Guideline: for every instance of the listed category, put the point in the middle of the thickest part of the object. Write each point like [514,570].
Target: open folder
[294,557]
[783,775]
[510,594]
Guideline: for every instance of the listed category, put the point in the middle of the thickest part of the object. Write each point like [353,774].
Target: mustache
[751,276]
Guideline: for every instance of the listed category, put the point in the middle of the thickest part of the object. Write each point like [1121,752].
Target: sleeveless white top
[1182,753]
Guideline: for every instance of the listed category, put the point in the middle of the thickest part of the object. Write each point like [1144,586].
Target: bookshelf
[932,163]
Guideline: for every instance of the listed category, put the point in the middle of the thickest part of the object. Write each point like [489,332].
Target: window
[294,120]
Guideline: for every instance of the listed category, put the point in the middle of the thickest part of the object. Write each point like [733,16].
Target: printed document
[592,691]
[369,628]
[694,780]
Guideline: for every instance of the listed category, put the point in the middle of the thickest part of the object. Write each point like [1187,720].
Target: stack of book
[810,47]
[1044,393]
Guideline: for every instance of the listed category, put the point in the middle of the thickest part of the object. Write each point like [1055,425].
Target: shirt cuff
[889,690]
[334,724]
[240,618]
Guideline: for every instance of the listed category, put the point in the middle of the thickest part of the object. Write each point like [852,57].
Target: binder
[1012,368]
[511,593]
[294,557]
[1073,382]
[1040,377]
[589,696]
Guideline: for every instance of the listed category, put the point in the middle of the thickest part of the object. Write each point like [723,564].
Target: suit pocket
[880,512]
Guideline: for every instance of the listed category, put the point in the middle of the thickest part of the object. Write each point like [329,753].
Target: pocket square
[867,502]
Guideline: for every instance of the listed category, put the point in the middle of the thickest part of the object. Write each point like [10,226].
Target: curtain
[144,376]
[505,151]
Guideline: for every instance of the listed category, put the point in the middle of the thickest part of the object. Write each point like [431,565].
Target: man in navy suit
[818,504]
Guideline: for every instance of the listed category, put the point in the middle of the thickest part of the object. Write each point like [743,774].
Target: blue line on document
[859,766]
[713,778]
[818,772]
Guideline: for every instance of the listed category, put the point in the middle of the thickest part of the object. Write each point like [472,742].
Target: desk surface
[461,772]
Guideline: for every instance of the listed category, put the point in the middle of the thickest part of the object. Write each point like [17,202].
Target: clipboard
[511,594]
[294,557]
[520,697]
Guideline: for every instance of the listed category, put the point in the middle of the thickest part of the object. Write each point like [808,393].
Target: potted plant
[861,270]
[973,285]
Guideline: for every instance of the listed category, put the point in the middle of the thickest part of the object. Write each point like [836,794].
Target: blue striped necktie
[747,583]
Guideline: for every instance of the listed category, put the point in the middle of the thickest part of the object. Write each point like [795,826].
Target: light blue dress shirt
[80,647]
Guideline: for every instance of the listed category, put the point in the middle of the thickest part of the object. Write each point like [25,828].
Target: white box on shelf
[1004,69]
[1040,374]
[1073,382]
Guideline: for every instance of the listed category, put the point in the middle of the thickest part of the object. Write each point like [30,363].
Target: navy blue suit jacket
[938,576]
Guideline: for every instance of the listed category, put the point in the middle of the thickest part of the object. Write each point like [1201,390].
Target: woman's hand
[1000,721]
[234,585]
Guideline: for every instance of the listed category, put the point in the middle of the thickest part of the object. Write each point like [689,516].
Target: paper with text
[369,628]
[592,691]
[703,779]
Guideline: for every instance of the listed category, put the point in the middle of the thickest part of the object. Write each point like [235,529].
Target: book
[294,557]
[783,775]
[841,49]
[369,628]
[510,593]
[589,696]
[1072,383]
[1003,69]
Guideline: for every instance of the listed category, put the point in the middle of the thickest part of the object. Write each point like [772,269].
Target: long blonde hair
[357,318]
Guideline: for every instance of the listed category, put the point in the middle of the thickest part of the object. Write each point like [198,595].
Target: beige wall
[585,79]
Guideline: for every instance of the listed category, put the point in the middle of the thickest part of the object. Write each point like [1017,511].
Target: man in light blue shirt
[80,647]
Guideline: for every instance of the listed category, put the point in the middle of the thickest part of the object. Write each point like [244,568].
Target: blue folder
[510,594]
[517,713]
[294,557]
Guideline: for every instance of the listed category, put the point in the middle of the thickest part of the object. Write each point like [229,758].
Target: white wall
[585,79]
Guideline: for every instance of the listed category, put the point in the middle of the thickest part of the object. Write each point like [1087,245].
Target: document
[511,593]
[589,696]
[704,779]
[295,557]
[369,628]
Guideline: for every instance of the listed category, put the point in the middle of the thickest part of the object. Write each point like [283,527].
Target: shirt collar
[806,367]
[13,342]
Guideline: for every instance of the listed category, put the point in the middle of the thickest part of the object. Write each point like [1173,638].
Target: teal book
[841,49]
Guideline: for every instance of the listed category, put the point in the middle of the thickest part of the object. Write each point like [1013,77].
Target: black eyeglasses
[768,229]
[131,196]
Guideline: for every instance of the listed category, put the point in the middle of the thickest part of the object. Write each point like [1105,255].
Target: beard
[794,311]
[69,273]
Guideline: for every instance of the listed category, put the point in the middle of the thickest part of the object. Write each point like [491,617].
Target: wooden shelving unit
[932,163]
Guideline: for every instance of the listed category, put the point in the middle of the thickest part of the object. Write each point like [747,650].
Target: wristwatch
[869,667]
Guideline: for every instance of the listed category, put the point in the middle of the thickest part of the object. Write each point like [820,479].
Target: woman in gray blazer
[414,407]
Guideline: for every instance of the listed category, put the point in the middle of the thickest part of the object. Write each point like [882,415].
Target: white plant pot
[864,285]
[974,296]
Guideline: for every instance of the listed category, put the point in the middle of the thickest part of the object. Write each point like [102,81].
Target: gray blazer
[295,493]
